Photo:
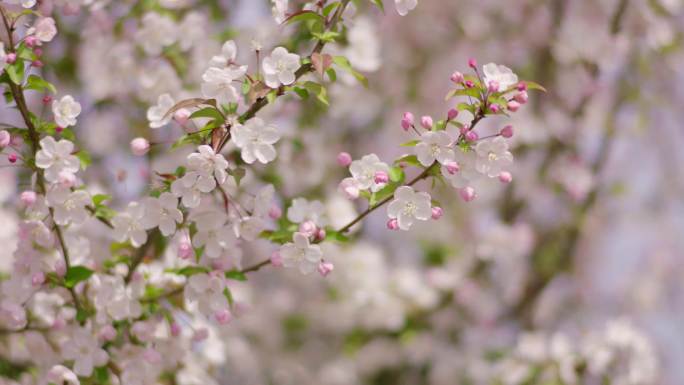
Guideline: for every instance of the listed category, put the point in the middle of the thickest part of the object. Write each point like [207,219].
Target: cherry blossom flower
[66,110]
[128,225]
[280,67]
[55,158]
[69,206]
[255,139]
[214,234]
[434,146]
[24,3]
[493,156]
[227,56]
[162,212]
[192,30]
[157,114]
[280,10]
[207,162]
[466,173]
[302,210]
[112,297]
[404,6]
[301,254]
[365,169]
[62,375]
[206,290]
[3,56]
[191,186]
[218,83]
[409,205]
[502,75]
[43,29]
[82,347]
[157,32]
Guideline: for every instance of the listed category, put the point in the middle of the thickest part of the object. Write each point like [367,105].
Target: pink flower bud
[407,121]
[494,108]
[464,130]
[457,77]
[47,99]
[325,268]
[381,177]
[505,177]
[426,122]
[308,228]
[275,212]
[5,139]
[276,259]
[522,86]
[58,324]
[66,179]
[181,116]
[471,136]
[184,250]
[469,84]
[11,58]
[37,63]
[140,146]
[200,335]
[31,41]
[513,106]
[59,129]
[507,131]
[175,329]
[452,114]
[107,333]
[28,198]
[12,158]
[38,51]
[344,159]
[472,63]
[393,224]
[223,316]
[38,278]
[320,234]
[452,167]
[521,97]
[467,193]
[60,268]
[437,212]
[493,86]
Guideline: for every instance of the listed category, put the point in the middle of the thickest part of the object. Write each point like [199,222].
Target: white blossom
[3,56]
[192,30]
[207,162]
[280,67]
[227,56]
[43,29]
[404,6]
[66,110]
[55,158]
[191,186]
[409,205]
[493,156]
[128,225]
[364,170]
[157,115]
[68,206]
[206,290]
[219,83]
[113,297]
[301,254]
[24,3]
[255,139]
[434,146]
[61,375]
[501,74]
[162,212]
[157,32]
[302,210]
[214,234]
[82,347]
[279,10]
[467,173]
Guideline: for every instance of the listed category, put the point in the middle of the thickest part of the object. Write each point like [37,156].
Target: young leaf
[76,274]
[236,275]
[303,16]
[344,63]
[39,84]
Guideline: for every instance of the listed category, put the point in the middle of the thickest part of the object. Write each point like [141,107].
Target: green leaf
[318,90]
[409,159]
[39,84]
[336,236]
[191,270]
[534,86]
[207,112]
[396,174]
[236,275]
[99,198]
[84,158]
[16,72]
[473,92]
[332,75]
[238,174]
[410,143]
[303,16]
[76,274]
[327,36]
[330,7]
[344,63]
[101,375]
[302,92]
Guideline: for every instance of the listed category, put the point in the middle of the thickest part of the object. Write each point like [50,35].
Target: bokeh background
[586,243]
